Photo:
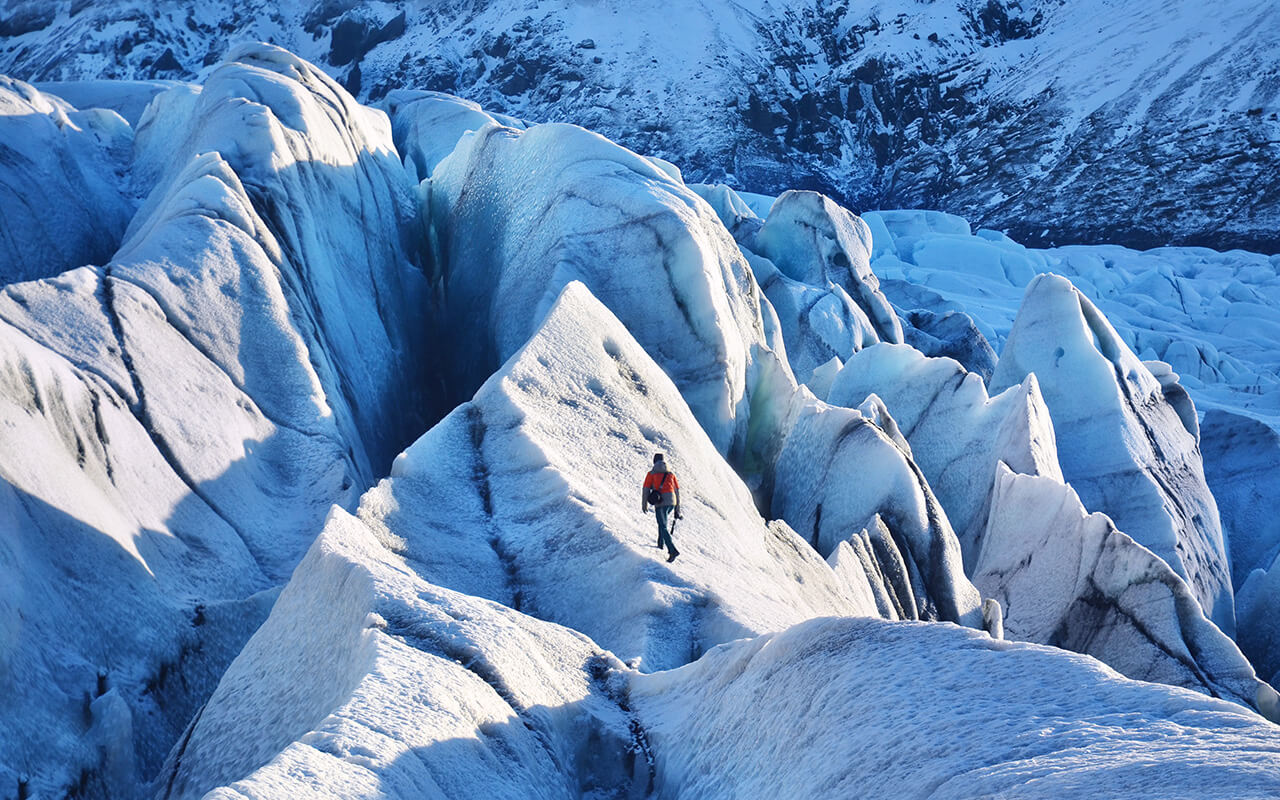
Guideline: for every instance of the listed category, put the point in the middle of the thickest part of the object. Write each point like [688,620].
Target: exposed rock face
[1037,117]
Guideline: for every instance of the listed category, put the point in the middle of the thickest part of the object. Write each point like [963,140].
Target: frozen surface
[1242,466]
[516,216]
[1122,446]
[428,125]
[377,683]
[810,257]
[254,352]
[957,433]
[842,477]
[127,98]
[1073,581]
[529,495]
[866,708]
[1209,315]
[61,183]
[198,405]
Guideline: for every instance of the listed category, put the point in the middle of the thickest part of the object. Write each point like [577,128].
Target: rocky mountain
[1084,122]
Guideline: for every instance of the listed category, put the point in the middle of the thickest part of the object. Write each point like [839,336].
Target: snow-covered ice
[517,215]
[1122,446]
[1073,581]
[868,708]
[368,681]
[62,175]
[957,433]
[198,403]
[529,494]
[841,477]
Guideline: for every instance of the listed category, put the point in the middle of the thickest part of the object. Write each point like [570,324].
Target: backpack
[655,495]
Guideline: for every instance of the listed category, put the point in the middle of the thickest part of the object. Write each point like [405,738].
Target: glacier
[341,432]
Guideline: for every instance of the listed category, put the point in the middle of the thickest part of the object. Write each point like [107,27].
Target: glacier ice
[529,495]
[839,476]
[1072,580]
[241,364]
[367,680]
[426,125]
[811,259]
[957,434]
[62,194]
[868,708]
[1242,466]
[262,344]
[1121,445]
[127,98]
[517,215]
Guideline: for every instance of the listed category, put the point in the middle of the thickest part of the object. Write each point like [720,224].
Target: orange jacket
[665,482]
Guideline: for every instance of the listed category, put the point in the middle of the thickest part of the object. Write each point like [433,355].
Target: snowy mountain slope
[1039,118]
[190,407]
[1075,582]
[61,176]
[839,707]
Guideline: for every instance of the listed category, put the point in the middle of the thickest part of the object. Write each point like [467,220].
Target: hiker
[662,491]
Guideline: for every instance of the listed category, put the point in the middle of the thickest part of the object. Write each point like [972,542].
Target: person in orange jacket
[662,491]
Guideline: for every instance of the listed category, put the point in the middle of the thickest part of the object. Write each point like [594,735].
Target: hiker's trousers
[663,513]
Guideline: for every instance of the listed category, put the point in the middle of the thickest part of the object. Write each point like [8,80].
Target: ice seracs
[810,257]
[542,471]
[1121,445]
[517,215]
[1071,580]
[62,193]
[840,477]
[956,432]
[198,403]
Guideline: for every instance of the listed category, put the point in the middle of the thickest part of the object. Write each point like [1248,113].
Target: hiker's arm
[644,497]
[678,513]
